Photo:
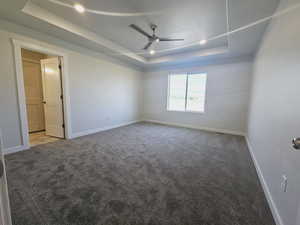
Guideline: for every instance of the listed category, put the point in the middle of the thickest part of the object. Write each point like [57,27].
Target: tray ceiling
[192,20]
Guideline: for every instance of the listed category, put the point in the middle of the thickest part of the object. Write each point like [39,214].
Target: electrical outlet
[284,183]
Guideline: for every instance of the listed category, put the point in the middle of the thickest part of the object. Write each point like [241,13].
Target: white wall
[102,93]
[228,87]
[274,116]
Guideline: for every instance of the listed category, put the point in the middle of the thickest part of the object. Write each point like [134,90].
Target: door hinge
[63,125]
[59,66]
[61,97]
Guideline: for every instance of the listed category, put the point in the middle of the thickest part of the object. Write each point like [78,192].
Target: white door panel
[52,91]
[288,128]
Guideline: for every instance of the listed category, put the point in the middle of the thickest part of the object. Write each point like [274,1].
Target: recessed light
[49,70]
[152,52]
[79,8]
[203,42]
[157,40]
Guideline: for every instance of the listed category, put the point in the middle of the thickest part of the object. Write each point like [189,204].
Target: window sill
[194,112]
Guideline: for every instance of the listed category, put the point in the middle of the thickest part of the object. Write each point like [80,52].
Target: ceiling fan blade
[148,45]
[170,39]
[140,30]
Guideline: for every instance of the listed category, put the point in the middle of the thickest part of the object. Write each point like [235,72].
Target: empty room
[138,112]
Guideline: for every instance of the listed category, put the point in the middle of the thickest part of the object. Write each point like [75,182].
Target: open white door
[5,217]
[52,93]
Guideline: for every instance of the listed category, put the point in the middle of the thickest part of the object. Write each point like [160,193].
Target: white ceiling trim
[42,14]
[189,55]
[36,11]
[105,13]
[257,22]
[227,22]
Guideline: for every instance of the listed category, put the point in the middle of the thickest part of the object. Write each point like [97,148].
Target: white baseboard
[264,184]
[74,135]
[15,149]
[197,127]
[96,130]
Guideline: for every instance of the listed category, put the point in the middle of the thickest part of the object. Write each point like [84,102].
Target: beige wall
[35,56]
[33,89]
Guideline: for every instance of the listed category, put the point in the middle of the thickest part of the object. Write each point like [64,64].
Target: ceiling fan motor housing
[153,28]
[151,38]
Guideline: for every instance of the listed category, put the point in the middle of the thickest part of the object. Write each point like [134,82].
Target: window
[187,92]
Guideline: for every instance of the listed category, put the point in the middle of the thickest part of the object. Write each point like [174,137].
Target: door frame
[5,210]
[42,48]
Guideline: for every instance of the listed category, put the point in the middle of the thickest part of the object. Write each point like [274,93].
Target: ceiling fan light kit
[152,52]
[79,8]
[203,42]
[151,38]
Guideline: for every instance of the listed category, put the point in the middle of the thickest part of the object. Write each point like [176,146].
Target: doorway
[43,96]
[48,50]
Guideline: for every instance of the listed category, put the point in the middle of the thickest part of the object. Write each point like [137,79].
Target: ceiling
[192,20]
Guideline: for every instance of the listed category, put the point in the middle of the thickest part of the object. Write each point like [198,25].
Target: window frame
[186,92]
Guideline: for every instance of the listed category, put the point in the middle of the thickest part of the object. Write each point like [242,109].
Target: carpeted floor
[142,174]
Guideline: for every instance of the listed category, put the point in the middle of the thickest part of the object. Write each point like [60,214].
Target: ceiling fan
[151,38]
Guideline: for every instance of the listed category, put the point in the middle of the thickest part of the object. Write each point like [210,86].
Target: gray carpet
[142,174]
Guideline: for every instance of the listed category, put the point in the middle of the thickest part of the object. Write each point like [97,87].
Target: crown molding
[42,14]
[36,11]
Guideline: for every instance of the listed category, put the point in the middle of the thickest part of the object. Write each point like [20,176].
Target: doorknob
[44,102]
[296,143]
